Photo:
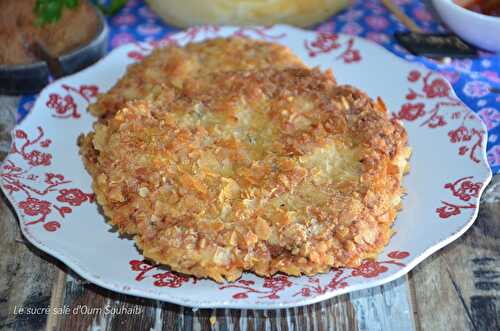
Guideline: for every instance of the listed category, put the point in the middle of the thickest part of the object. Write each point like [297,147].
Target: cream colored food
[176,65]
[246,12]
[268,170]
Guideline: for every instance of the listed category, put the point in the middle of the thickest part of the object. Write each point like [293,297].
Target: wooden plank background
[457,288]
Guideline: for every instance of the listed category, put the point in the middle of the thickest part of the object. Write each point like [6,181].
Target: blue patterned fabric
[472,80]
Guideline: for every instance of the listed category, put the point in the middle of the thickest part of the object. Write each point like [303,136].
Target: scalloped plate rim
[74,265]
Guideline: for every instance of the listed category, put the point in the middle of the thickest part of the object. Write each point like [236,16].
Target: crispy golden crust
[268,171]
[175,65]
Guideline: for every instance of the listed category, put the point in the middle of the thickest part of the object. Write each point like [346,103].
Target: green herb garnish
[50,11]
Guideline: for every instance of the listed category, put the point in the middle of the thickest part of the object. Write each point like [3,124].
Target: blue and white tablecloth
[473,80]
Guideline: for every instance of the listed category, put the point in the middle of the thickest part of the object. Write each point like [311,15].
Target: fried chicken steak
[174,64]
[268,168]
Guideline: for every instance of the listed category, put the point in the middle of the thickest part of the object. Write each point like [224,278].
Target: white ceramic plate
[45,180]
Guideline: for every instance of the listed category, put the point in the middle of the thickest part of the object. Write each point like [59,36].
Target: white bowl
[480,30]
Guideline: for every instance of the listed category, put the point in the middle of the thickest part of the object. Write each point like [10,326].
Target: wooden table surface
[457,288]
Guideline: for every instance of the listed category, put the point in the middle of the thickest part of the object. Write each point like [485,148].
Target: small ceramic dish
[479,30]
[32,77]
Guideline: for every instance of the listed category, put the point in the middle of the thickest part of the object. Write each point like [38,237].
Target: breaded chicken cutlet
[272,170]
[174,64]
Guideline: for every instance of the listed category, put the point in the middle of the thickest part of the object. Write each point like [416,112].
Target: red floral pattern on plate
[328,42]
[162,279]
[74,196]
[464,189]
[272,286]
[262,32]
[437,89]
[191,34]
[65,106]
[324,42]
[341,277]
[34,157]
[18,180]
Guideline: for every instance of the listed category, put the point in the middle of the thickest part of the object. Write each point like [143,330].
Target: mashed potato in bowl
[246,12]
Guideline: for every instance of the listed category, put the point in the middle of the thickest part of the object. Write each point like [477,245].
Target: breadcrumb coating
[272,170]
[174,64]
